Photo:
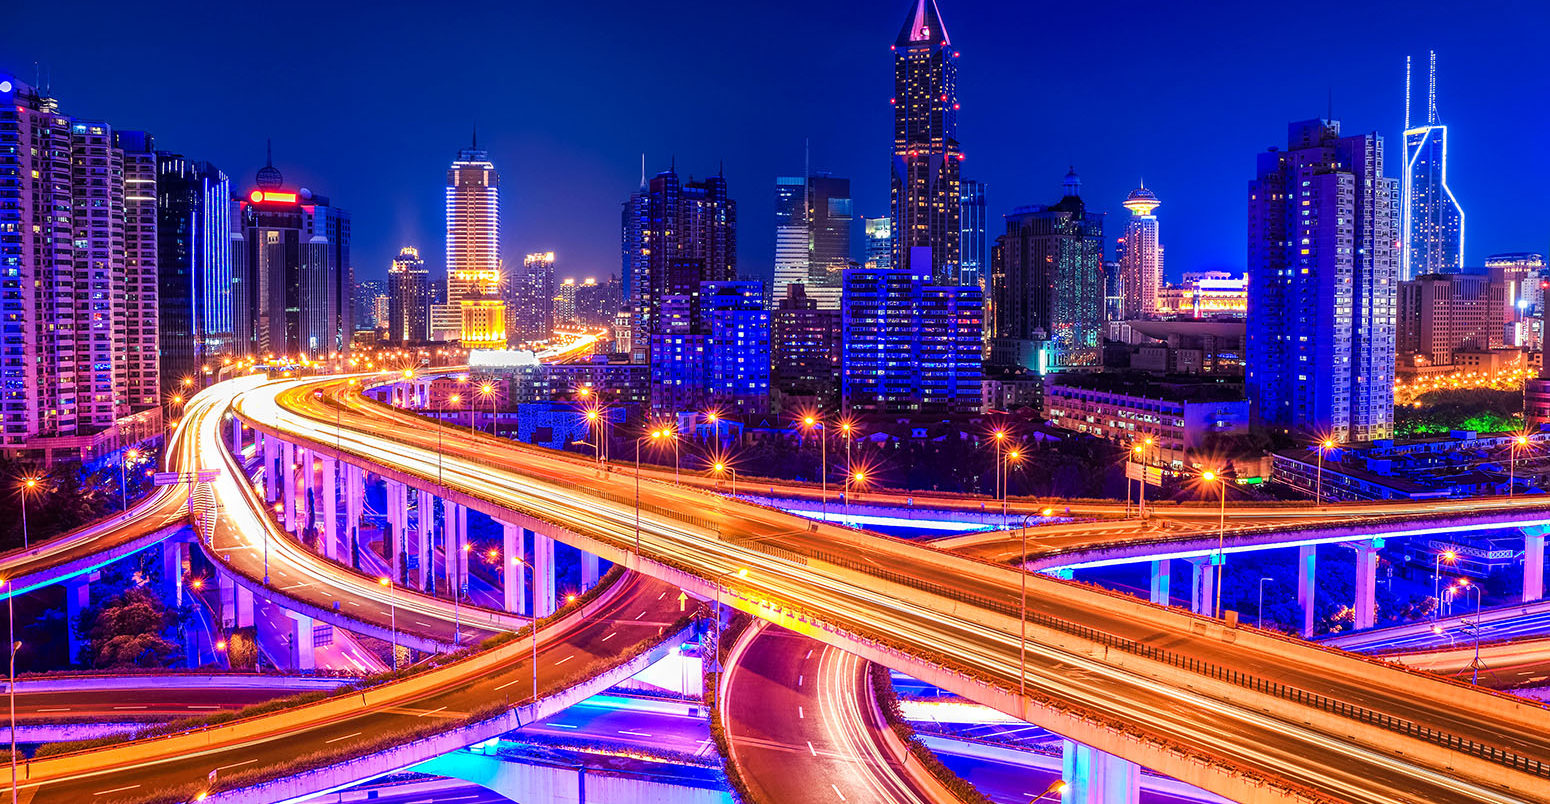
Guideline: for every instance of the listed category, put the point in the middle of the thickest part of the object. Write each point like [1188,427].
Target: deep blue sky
[367,102]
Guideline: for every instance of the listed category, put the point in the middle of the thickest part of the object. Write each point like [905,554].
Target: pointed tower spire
[1431,91]
[923,25]
[643,171]
[1407,93]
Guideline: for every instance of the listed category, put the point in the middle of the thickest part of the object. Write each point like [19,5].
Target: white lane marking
[638,616]
[809,654]
[610,636]
[564,726]
[837,791]
[346,737]
[634,733]
[507,684]
[564,660]
[115,790]
[129,707]
[236,764]
[810,748]
[56,709]
[800,716]
[799,679]
[430,712]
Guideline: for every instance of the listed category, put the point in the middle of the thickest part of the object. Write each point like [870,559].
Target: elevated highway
[1244,714]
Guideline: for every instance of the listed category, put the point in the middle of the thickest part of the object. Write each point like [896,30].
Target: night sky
[368,102]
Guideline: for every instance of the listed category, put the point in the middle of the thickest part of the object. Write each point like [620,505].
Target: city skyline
[1204,180]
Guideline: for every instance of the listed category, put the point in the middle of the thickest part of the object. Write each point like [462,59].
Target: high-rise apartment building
[474,281]
[1439,314]
[367,291]
[531,296]
[683,234]
[910,345]
[879,242]
[596,305]
[1322,268]
[142,361]
[194,285]
[974,268]
[292,285]
[1048,286]
[926,159]
[715,358]
[1431,220]
[409,298]
[78,249]
[565,303]
[1526,271]
[805,356]
[1140,256]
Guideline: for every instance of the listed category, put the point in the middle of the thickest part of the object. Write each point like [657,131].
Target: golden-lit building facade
[474,277]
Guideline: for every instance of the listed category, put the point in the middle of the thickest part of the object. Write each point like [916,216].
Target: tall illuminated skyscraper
[531,293]
[409,297]
[193,232]
[791,233]
[879,242]
[678,234]
[1141,259]
[974,265]
[1431,220]
[1322,268]
[926,159]
[474,248]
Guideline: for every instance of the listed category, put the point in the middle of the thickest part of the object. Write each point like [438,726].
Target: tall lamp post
[1221,536]
[1468,587]
[533,624]
[1450,555]
[1000,438]
[1013,456]
[1518,442]
[814,422]
[392,615]
[1318,484]
[29,485]
[721,467]
[130,456]
[487,390]
[852,480]
[716,656]
[10,619]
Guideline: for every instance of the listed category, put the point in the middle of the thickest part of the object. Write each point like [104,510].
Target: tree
[129,630]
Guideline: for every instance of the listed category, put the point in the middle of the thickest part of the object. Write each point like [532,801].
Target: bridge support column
[513,571]
[454,533]
[174,553]
[425,521]
[288,486]
[1534,563]
[1095,777]
[236,438]
[1365,606]
[1162,582]
[298,637]
[328,540]
[589,570]
[543,575]
[77,599]
[307,502]
[271,450]
[1202,588]
[1307,576]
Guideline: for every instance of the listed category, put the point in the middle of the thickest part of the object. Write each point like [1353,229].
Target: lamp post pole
[392,615]
[1437,579]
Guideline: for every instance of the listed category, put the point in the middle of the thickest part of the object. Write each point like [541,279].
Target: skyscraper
[910,346]
[805,354]
[1048,286]
[879,242]
[682,233]
[1431,220]
[141,320]
[975,266]
[791,233]
[830,215]
[1141,259]
[712,350]
[409,297]
[1322,265]
[532,297]
[926,159]
[193,233]
[77,277]
[474,282]
[293,289]
[565,303]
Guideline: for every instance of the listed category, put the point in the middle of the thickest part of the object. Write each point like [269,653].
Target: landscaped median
[156,750]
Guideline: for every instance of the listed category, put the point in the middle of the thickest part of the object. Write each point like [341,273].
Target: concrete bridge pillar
[298,637]
[1365,606]
[1202,587]
[328,540]
[288,486]
[236,602]
[513,571]
[1534,562]
[308,483]
[425,521]
[1096,777]
[77,598]
[543,575]
[1162,582]
[454,534]
[271,450]
[174,554]
[236,438]
[1307,582]
[589,570]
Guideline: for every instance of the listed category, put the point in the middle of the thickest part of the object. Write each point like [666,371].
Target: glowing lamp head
[742,573]
[591,415]
[1521,440]
[1014,456]
[720,467]
[571,598]
[1329,443]
[1047,512]
[385,581]
[860,477]
[584,392]
[809,421]
[1208,476]
[1450,556]
[1000,435]
[1136,450]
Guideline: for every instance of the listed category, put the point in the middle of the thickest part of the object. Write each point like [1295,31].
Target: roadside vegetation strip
[377,680]
[888,703]
[718,730]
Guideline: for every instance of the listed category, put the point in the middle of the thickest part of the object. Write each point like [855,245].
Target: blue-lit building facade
[910,346]
[194,280]
[974,266]
[1431,220]
[712,350]
[1322,265]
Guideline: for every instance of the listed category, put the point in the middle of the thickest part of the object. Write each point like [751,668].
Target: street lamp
[27,488]
[721,467]
[487,390]
[1518,442]
[393,615]
[1474,665]
[846,428]
[1260,619]
[1000,438]
[1057,788]
[716,656]
[1318,483]
[10,619]
[1449,555]
[130,456]
[457,593]
[594,421]
[533,625]
[810,422]
[1221,537]
[1013,456]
